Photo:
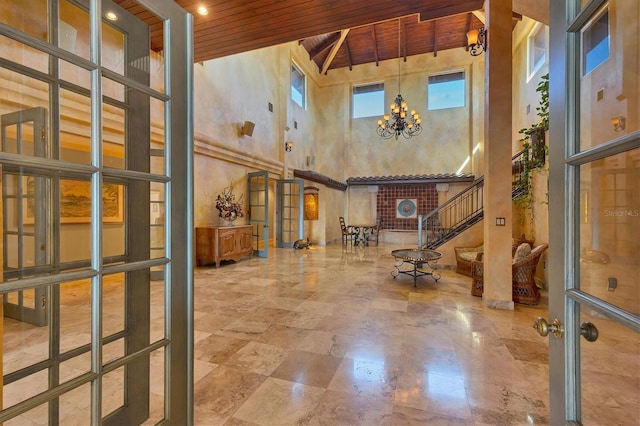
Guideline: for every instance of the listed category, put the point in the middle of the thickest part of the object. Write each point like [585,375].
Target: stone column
[497,155]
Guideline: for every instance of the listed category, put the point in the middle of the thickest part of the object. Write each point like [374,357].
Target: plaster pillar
[373,203]
[497,156]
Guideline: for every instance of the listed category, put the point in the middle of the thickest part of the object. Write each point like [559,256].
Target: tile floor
[327,336]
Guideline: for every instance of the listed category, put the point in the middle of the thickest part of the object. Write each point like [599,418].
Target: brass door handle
[544,328]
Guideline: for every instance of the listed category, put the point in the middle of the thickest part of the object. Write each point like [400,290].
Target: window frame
[464,89]
[363,85]
[296,69]
[532,66]
[583,51]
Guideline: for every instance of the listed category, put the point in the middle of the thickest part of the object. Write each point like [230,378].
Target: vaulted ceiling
[336,33]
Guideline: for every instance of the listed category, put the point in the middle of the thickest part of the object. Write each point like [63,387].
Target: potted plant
[534,148]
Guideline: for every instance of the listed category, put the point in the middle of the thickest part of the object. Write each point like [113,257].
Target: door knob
[544,328]
[589,332]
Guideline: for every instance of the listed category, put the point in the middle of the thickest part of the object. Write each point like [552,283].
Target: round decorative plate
[406,208]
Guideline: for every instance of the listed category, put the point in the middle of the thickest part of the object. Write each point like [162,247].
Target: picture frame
[75,202]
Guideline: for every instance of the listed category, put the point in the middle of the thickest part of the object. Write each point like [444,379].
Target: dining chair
[348,234]
[374,235]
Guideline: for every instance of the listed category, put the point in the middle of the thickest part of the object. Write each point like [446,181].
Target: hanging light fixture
[398,122]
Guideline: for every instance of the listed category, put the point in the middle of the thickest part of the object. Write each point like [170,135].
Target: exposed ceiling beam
[334,50]
[348,52]
[375,44]
[331,40]
[435,38]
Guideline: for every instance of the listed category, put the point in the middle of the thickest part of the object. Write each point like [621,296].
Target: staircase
[465,209]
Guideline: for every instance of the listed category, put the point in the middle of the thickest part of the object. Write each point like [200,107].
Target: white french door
[594,295]
[97,212]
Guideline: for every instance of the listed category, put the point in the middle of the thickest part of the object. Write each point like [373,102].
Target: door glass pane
[113,298]
[609,91]
[610,229]
[610,371]
[158,300]
[27,16]
[157,219]
[73,29]
[75,315]
[113,228]
[22,54]
[24,120]
[156,397]
[75,126]
[112,391]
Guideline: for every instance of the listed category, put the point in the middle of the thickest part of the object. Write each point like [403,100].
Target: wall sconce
[477,41]
[618,123]
[247,128]
[288,146]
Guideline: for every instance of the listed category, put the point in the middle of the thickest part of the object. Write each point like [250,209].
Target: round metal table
[416,257]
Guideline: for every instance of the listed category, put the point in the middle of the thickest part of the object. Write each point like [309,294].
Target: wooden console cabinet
[216,243]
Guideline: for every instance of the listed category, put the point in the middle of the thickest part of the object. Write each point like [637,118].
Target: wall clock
[406,208]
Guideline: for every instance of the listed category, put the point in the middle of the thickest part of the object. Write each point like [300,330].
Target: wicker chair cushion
[469,255]
[522,251]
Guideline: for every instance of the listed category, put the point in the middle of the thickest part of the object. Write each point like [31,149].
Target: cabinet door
[244,240]
[226,241]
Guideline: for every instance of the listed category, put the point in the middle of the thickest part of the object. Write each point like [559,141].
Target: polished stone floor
[327,336]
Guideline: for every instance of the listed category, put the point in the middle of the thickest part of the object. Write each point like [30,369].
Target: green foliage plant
[533,155]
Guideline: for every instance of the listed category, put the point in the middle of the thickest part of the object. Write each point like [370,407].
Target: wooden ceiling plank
[449,9]
[282,26]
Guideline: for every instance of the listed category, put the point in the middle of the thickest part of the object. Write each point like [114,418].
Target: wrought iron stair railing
[466,208]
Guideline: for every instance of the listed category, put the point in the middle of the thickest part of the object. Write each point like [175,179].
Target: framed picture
[406,208]
[75,202]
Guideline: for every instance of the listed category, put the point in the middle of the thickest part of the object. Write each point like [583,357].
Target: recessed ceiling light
[111,16]
[202,10]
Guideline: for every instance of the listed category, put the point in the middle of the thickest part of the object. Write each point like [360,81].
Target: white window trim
[305,94]
[531,69]
[466,87]
[371,83]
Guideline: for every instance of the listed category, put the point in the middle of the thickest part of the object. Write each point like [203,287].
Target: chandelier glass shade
[399,121]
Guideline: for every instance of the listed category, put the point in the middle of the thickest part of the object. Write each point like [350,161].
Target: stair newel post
[419,231]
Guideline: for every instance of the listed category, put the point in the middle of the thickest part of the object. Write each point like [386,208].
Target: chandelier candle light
[397,122]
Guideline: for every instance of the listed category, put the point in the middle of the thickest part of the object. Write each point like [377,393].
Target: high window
[298,85]
[446,91]
[368,100]
[537,49]
[595,42]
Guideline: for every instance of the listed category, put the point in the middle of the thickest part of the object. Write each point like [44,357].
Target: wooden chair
[348,234]
[374,235]
[524,288]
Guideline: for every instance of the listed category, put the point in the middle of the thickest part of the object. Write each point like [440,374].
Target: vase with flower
[229,209]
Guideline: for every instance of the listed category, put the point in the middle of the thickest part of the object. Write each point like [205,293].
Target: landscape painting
[75,202]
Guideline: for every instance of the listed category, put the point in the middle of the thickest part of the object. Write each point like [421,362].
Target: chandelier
[398,122]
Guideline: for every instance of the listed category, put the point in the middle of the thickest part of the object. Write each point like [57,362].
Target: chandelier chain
[399,121]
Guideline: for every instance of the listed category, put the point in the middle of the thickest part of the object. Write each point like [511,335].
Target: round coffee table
[416,257]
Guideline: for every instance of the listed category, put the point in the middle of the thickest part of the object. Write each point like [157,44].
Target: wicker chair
[348,234]
[466,255]
[524,289]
